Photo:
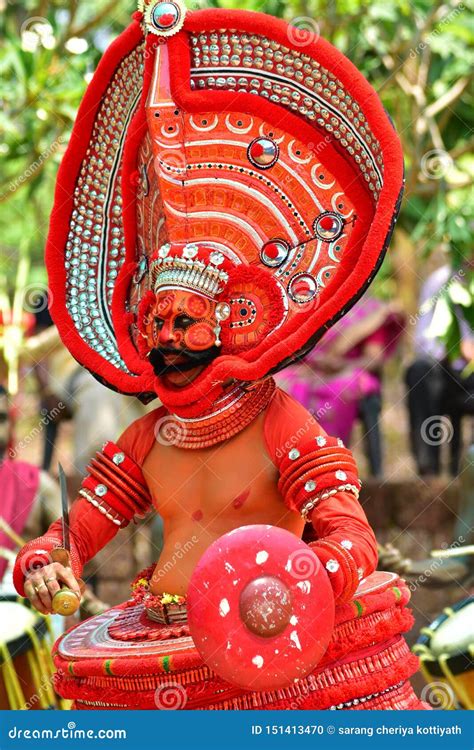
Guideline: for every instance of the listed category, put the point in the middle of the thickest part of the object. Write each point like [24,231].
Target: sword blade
[65,508]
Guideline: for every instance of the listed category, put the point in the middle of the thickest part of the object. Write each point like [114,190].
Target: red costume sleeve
[112,493]
[318,478]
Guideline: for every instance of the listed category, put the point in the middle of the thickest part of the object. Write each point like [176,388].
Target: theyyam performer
[228,193]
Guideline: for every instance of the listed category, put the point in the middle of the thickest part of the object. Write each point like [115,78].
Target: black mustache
[156,359]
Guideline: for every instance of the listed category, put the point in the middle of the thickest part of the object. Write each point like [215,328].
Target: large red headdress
[233,132]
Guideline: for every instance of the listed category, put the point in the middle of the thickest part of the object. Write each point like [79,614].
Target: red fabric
[367,656]
[396,593]
[18,485]
[129,465]
[139,437]
[339,518]
[344,580]
[319,464]
[90,530]
[365,672]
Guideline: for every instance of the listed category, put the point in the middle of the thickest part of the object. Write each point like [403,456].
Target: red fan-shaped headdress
[229,131]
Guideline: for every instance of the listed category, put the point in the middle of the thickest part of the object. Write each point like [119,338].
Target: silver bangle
[311,504]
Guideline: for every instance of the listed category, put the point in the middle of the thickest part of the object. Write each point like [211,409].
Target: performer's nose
[167,333]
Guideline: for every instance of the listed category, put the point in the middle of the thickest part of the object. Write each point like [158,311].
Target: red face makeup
[182,320]
[179,324]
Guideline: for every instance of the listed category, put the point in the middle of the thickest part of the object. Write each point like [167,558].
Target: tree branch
[448,98]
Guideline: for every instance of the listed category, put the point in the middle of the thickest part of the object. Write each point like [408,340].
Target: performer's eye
[159,322]
[183,321]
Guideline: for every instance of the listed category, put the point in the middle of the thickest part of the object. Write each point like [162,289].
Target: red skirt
[122,660]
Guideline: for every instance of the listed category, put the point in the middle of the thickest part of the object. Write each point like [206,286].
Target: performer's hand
[43,583]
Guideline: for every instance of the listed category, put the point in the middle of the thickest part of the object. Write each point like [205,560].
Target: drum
[446,651]
[123,660]
[25,657]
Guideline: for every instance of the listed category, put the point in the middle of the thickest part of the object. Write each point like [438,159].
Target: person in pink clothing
[341,380]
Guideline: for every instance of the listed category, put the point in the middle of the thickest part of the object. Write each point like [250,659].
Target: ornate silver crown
[188,270]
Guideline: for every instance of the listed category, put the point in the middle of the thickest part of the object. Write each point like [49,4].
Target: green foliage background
[417,54]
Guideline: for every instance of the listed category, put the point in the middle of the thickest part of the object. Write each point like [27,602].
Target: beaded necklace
[227,417]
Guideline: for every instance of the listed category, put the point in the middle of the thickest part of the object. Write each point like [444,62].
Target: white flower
[164,250]
[190,251]
[216,258]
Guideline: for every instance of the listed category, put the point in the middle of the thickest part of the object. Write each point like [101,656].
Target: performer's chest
[234,475]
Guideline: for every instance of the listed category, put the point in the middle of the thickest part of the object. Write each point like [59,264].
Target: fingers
[42,584]
[67,576]
[34,598]
[52,584]
[41,589]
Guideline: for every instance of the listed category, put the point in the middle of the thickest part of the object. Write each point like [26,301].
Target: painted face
[180,330]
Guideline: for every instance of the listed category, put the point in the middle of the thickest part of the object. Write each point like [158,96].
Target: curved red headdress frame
[232,131]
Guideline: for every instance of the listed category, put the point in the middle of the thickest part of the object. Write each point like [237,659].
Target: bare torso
[202,494]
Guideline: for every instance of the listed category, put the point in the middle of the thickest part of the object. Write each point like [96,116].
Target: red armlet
[110,496]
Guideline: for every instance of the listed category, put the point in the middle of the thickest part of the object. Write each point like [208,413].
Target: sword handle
[65,601]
